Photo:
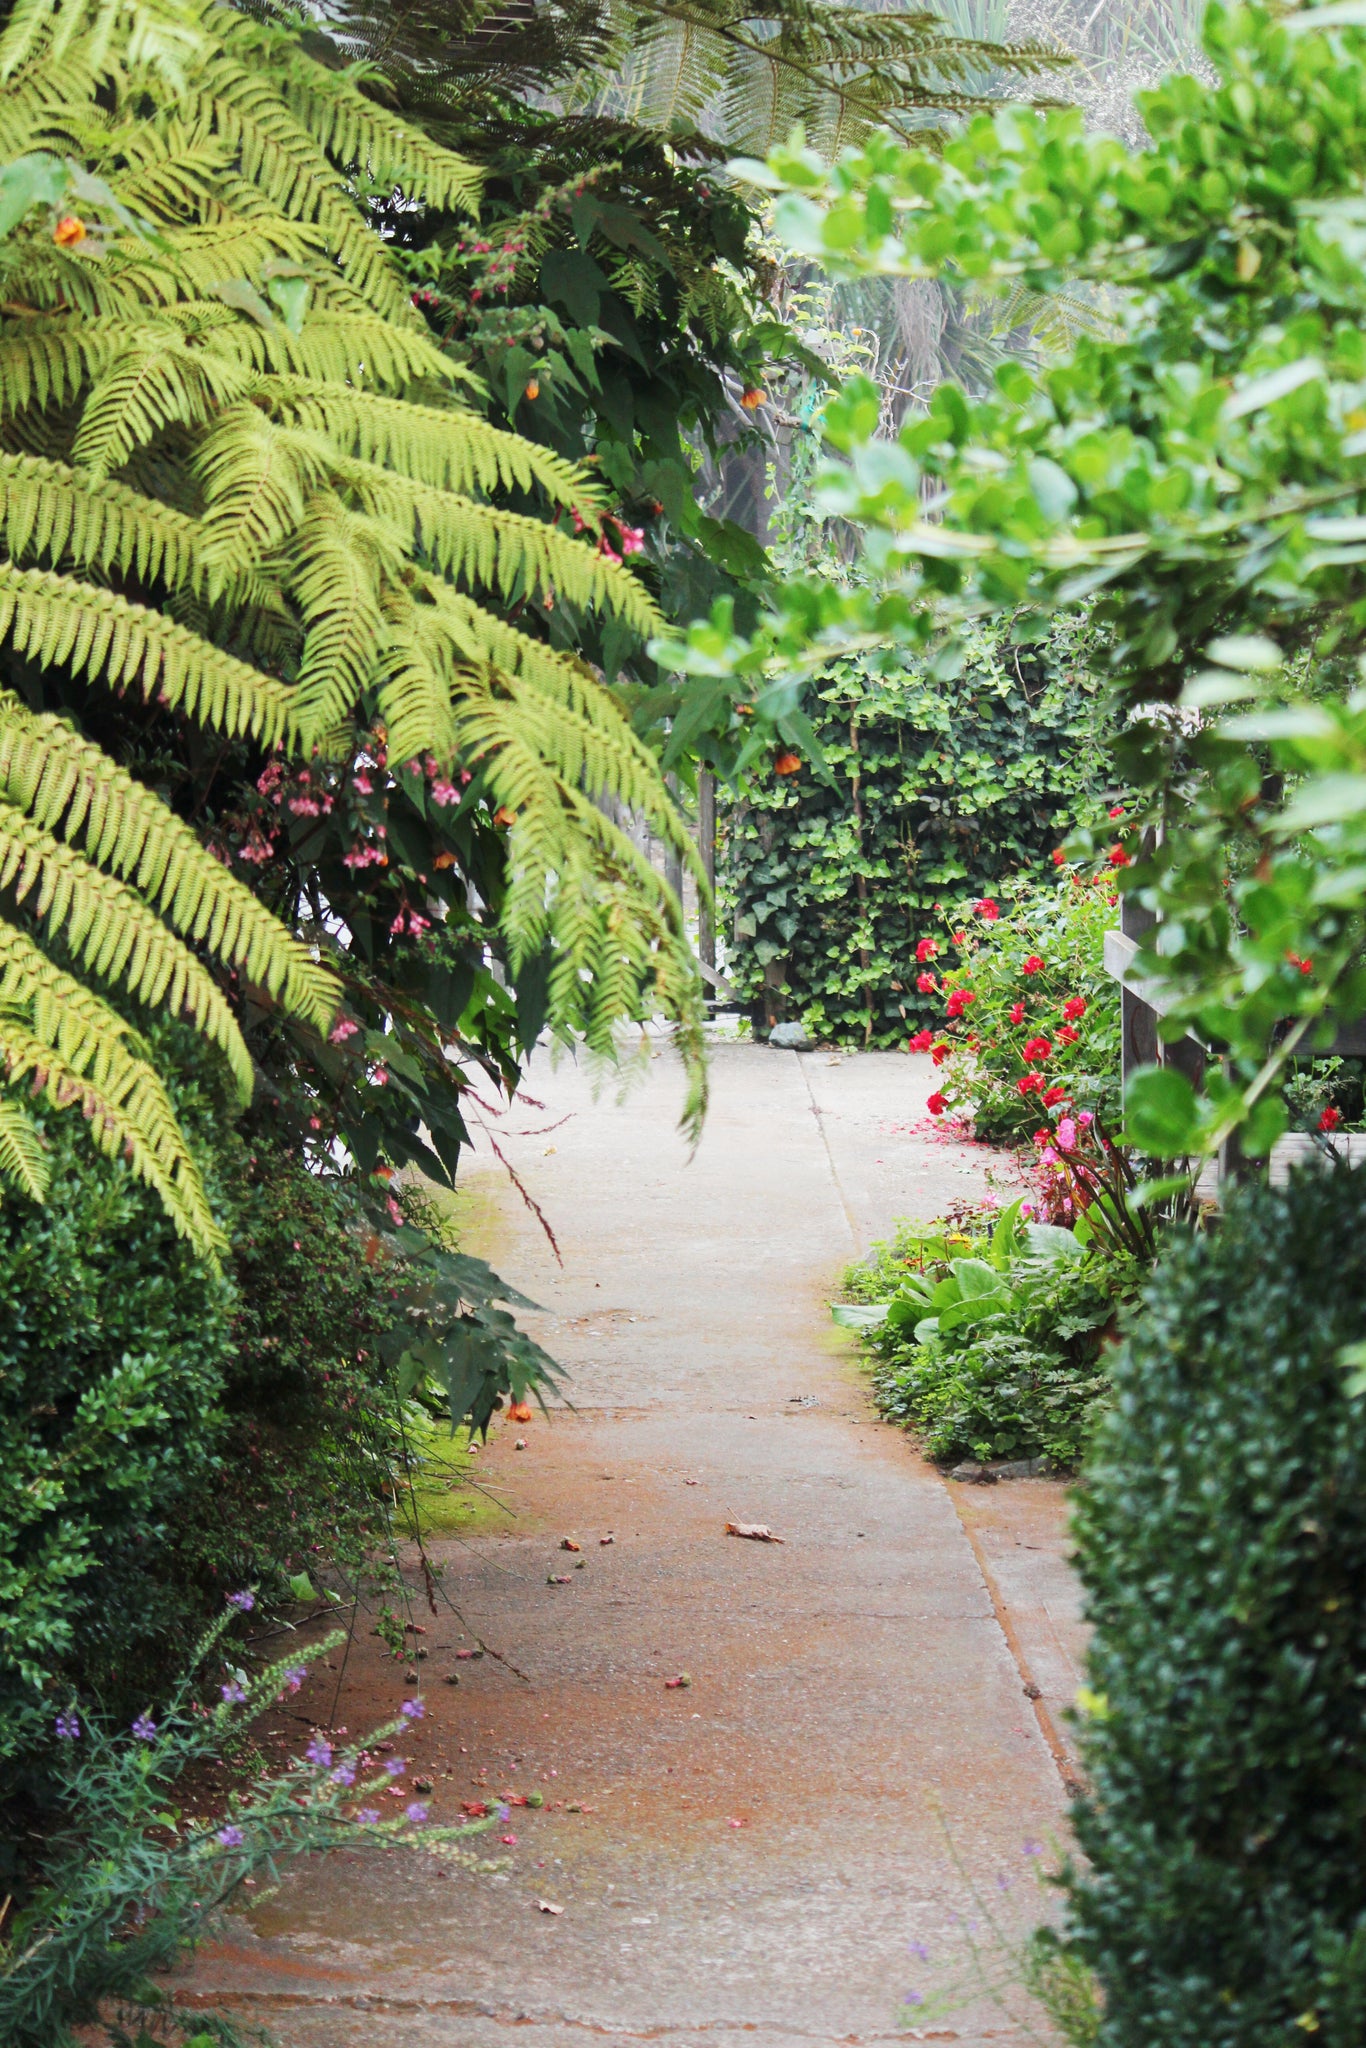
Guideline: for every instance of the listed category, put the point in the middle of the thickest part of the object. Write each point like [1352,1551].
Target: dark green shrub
[167,1432]
[113,1344]
[1222,1540]
[942,788]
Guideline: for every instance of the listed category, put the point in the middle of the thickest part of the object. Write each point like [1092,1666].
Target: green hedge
[168,1433]
[1222,1540]
[943,786]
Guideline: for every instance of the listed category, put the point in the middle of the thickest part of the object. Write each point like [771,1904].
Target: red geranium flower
[926,950]
[1066,1035]
[1075,1006]
[1117,857]
[987,909]
[1029,1084]
[959,1001]
[939,1053]
[1059,857]
[1052,1095]
[1117,810]
[959,938]
[1037,1049]
[1033,965]
[926,983]
[1017,1013]
[1305,966]
[1330,1119]
[921,1042]
[936,1105]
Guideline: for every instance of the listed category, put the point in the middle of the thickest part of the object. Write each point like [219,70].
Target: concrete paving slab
[855,1770]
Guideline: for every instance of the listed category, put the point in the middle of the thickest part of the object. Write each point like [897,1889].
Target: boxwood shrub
[1222,1540]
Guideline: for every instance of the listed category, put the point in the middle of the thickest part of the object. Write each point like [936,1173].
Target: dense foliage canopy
[1198,475]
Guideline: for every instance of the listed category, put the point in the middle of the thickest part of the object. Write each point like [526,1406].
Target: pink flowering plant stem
[132,1881]
[1030,1025]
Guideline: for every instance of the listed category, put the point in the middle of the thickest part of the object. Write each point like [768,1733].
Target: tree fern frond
[114,1094]
[71,788]
[354,130]
[337,579]
[23,1159]
[503,550]
[448,450]
[50,512]
[58,621]
[113,933]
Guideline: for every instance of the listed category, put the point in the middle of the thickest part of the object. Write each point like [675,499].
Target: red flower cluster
[1330,1119]
[1030,1083]
[926,983]
[1017,1013]
[922,1042]
[959,1000]
[1074,1007]
[926,950]
[1033,965]
[987,909]
[1037,1049]
[939,1053]
[1066,1035]
[1117,857]
[936,1105]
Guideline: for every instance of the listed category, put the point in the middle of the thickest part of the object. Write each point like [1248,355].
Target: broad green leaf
[1161,1113]
[858,1315]
[1266,390]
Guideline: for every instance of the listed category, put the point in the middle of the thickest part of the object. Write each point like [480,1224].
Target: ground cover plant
[131,1881]
[990,1339]
[1030,1023]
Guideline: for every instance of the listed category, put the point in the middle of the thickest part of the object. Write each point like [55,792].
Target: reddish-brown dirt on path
[854,1771]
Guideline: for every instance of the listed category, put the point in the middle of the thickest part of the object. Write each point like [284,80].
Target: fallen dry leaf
[757,1532]
[546,1907]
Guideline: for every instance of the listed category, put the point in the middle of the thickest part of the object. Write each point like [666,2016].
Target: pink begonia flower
[341,1031]
[1067,1133]
[1084,1118]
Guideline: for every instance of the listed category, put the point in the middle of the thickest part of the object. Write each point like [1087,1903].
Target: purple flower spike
[368,1816]
[295,1676]
[416,1813]
[413,1710]
[231,1838]
[68,1728]
[145,1728]
[915,1998]
[233,1695]
[243,1601]
[1033,1848]
[319,1751]
[501,1813]
[343,1775]
[918,1948]
[395,1765]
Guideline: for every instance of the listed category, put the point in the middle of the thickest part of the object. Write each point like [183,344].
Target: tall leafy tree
[245,491]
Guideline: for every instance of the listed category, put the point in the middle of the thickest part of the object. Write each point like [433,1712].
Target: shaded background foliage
[940,786]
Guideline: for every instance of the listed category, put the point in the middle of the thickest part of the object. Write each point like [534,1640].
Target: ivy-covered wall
[943,785]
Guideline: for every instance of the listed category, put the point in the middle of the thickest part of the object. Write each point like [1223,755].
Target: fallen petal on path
[757,1532]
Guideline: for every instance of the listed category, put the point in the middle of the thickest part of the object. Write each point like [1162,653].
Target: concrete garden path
[858,1763]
